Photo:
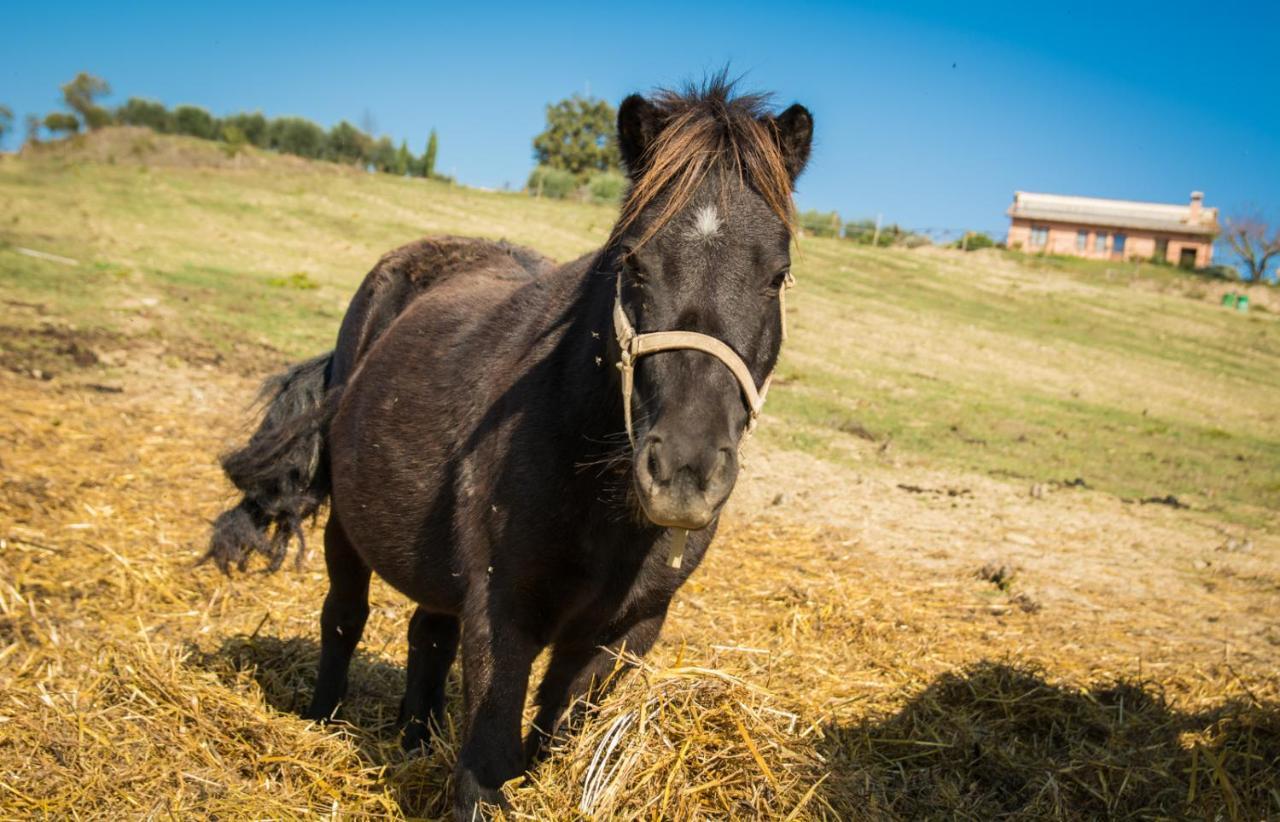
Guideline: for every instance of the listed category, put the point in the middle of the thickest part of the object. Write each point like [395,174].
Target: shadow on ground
[994,741]
[284,669]
[999,741]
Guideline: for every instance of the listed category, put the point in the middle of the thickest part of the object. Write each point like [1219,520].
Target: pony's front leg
[579,670]
[496,661]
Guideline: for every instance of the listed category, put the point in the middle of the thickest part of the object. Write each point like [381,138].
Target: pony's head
[703,245]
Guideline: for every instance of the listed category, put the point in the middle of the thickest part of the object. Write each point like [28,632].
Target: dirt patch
[91,359]
[48,350]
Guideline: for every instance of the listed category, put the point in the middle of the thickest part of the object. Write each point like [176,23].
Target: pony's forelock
[704,128]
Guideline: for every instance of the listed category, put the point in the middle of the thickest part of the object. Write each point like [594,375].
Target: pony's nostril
[654,462]
[655,466]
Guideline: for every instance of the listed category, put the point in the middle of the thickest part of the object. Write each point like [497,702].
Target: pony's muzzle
[683,483]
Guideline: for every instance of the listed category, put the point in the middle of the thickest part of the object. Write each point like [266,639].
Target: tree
[1247,236]
[294,135]
[347,144]
[196,122]
[146,113]
[382,156]
[429,157]
[579,137]
[6,122]
[59,122]
[81,96]
[252,126]
[404,160]
[33,129]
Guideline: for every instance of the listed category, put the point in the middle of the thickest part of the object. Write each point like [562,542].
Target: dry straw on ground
[802,675]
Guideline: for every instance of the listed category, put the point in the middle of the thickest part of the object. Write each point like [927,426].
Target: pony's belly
[433,585]
[391,496]
[403,548]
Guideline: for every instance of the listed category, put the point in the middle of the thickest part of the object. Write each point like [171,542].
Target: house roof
[1112,213]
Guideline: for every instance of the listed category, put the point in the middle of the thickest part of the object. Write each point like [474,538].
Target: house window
[1117,245]
[1039,236]
[1100,243]
[1162,249]
[1082,240]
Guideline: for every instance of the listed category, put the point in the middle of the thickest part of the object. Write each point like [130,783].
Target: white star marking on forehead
[706,223]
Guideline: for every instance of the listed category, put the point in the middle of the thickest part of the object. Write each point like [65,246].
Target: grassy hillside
[1130,378]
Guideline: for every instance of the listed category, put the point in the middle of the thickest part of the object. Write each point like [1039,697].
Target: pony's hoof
[415,738]
[472,801]
[318,715]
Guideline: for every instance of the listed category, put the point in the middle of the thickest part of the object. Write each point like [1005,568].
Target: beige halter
[633,346]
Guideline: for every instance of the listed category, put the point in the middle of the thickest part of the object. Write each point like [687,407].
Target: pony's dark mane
[705,127]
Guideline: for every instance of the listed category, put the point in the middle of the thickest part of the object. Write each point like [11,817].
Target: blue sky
[931,114]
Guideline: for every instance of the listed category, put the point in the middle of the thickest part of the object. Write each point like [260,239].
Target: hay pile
[135,731]
[797,678]
[680,743]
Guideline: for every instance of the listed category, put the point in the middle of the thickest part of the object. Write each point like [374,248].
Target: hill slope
[1129,377]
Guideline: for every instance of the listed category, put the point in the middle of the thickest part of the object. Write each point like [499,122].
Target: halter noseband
[633,346]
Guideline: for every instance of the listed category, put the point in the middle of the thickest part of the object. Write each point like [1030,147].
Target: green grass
[1032,368]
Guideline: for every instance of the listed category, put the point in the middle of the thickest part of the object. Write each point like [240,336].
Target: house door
[1187,258]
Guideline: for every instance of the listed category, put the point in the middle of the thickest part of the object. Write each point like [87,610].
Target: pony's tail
[281,472]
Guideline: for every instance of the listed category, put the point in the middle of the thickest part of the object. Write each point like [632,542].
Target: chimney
[1197,200]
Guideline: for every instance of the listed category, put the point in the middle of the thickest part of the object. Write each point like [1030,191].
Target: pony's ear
[793,129]
[637,126]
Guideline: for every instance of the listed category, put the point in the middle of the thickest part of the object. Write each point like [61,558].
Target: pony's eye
[632,268]
[780,279]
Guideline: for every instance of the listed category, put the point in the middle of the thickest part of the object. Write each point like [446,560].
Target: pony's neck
[590,375]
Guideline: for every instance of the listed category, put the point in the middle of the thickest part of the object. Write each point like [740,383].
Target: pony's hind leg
[346,607]
[433,643]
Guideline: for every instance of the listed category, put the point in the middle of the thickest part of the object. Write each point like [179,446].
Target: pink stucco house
[1113,229]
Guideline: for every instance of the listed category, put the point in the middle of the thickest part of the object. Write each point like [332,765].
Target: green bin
[1242,302]
[1229,299]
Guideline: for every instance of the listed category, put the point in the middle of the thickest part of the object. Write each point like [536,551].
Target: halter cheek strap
[633,346]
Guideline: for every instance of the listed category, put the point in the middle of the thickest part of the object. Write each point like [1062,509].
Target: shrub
[974,240]
[552,182]
[820,223]
[864,232]
[233,140]
[1220,272]
[607,186]
[299,281]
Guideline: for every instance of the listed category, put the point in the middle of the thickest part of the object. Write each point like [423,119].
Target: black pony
[469,430]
